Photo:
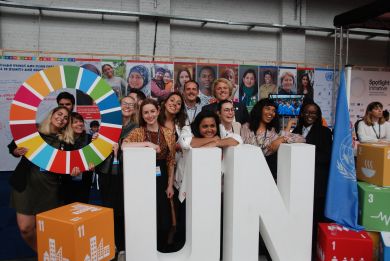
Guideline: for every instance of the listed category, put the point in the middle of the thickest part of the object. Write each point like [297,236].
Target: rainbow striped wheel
[23,118]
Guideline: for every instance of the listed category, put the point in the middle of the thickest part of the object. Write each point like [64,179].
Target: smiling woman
[38,191]
[263,131]
[151,134]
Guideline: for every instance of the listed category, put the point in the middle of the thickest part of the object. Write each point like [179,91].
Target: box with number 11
[76,232]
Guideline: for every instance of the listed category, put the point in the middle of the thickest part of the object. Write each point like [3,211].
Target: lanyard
[376,134]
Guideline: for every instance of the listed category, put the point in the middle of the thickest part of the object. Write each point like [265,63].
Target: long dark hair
[180,117]
[256,115]
[178,87]
[310,90]
[198,119]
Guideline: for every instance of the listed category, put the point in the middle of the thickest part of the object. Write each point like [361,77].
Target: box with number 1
[338,243]
[76,232]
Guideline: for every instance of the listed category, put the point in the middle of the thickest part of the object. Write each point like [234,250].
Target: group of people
[177,123]
[171,126]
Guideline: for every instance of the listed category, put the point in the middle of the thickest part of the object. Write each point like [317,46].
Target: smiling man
[191,100]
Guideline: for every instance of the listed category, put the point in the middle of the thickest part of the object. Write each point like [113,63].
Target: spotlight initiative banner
[366,87]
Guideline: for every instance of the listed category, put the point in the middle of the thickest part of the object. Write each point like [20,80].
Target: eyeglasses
[125,104]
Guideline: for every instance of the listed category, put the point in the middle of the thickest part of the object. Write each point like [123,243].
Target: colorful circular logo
[23,118]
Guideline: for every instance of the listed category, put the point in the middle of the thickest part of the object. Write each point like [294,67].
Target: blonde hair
[367,116]
[63,134]
[134,118]
[286,74]
[225,81]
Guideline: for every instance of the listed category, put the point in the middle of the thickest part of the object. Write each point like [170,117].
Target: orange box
[373,163]
[76,232]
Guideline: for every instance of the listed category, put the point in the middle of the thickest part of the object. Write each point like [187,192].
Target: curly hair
[179,118]
[256,115]
[198,119]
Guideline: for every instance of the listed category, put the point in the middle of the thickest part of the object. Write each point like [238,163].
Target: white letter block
[285,211]
[203,206]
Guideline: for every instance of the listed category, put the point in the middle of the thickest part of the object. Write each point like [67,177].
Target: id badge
[158,171]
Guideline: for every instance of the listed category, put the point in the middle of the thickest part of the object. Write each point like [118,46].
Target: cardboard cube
[385,247]
[375,237]
[374,207]
[76,232]
[373,163]
[337,243]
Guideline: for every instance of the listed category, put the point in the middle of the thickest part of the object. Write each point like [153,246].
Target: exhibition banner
[157,79]
[367,87]
[323,93]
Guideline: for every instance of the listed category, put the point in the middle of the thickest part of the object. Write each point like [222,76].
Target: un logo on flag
[345,162]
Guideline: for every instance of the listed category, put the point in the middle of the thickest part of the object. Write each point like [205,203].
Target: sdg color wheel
[23,118]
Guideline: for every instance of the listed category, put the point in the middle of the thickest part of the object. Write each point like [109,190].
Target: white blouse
[373,133]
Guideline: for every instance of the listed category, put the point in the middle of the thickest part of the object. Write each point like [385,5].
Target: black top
[321,137]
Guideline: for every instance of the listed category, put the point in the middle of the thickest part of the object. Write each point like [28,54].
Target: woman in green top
[248,88]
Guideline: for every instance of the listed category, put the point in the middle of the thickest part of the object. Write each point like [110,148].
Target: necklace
[149,137]
[261,143]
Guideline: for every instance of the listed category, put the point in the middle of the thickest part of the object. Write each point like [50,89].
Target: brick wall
[70,32]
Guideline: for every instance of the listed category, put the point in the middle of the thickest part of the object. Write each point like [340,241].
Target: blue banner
[342,195]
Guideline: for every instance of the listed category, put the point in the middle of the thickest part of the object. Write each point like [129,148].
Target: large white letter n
[285,210]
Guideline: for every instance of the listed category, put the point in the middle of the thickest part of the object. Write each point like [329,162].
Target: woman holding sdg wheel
[77,188]
[36,190]
[111,174]
[151,134]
